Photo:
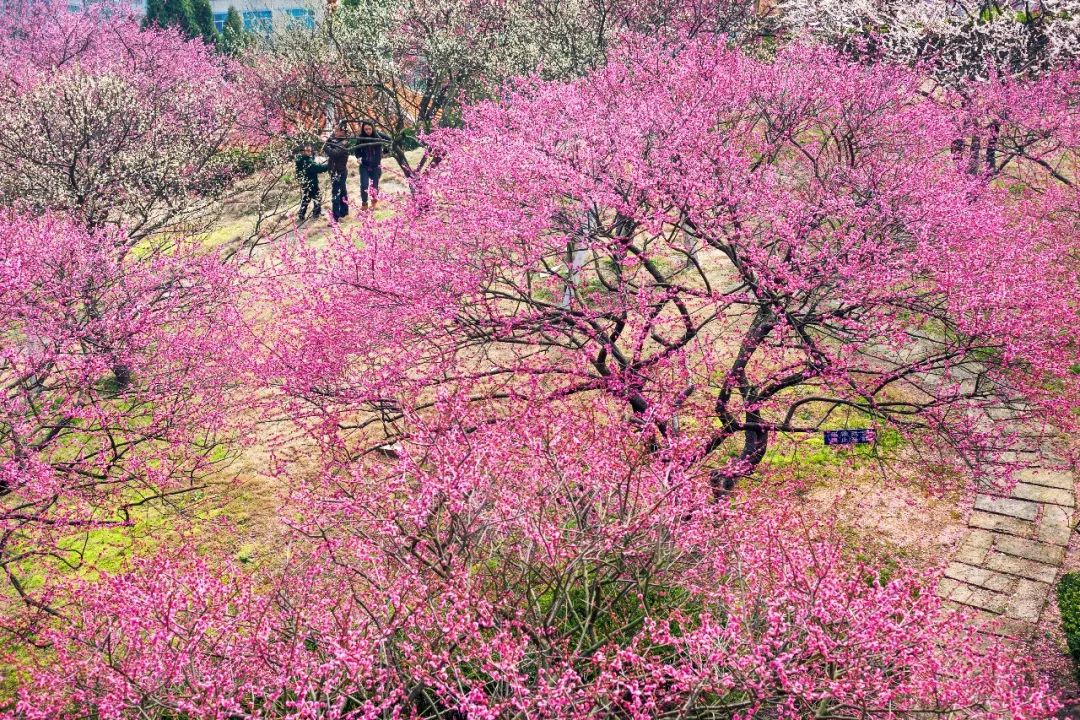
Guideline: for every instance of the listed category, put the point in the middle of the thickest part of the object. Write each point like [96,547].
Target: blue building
[139,6]
[260,15]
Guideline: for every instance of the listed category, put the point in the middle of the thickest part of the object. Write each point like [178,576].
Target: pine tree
[155,13]
[203,21]
[193,18]
[178,14]
[233,37]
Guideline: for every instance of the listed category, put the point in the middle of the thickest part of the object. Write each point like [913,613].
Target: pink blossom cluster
[111,124]
[720,244]
[542,566]
[518,428]
[113,388]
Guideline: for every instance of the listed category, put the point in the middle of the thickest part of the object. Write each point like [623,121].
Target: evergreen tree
[178,14]
[155,13]
[203,21]
[233,37]
[193,18]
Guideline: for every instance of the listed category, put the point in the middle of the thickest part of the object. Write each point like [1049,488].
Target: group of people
[368,150]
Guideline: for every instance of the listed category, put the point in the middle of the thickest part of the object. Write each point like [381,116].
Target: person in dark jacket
[337,151]
[369,151]
[307,175]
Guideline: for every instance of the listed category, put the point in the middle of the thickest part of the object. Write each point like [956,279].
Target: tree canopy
[194,18]
[529,441]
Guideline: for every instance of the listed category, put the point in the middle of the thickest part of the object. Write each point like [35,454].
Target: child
[307,174]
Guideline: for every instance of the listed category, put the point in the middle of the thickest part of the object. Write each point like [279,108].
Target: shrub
[243,161]
[1069,603]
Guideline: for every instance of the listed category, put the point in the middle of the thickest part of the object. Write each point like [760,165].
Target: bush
[1069,603]
[231,165]
[243,161]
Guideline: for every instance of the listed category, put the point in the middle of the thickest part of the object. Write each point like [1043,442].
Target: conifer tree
[203,22]
[194,18]
[233,37]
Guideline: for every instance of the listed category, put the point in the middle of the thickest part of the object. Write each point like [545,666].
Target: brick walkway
[1007,564]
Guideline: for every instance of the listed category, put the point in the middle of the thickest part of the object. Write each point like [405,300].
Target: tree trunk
[576,252]
[121,374]
[991,148]
[975,156]
[755,444]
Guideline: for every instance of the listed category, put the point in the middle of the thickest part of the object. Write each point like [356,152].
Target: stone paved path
[1006,566]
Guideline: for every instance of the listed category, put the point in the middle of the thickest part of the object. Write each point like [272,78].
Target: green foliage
[233,37]
[203,15]
[407,140]
[239,162]
[987,355]
[166,13]
[233,21]
[601,608]
[155,13]
[193,18]
[451,117]
[247,552]
[1068,593]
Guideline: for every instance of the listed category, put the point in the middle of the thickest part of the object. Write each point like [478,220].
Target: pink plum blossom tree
[80,446]
[541,566]
[410,64]
[111,123]
[958,40]
[735,249]
[1010,68]
[512,416]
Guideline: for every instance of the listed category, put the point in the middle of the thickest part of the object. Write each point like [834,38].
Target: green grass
[227,232]
[813,451]
[102,550]
[881,559]
[1068,596]
[90,553]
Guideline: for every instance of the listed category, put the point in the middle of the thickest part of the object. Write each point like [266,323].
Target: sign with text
[860,436]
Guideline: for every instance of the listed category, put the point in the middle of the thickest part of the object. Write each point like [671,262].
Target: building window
[258,20]
[219,20]
[138,6]
[303,16]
